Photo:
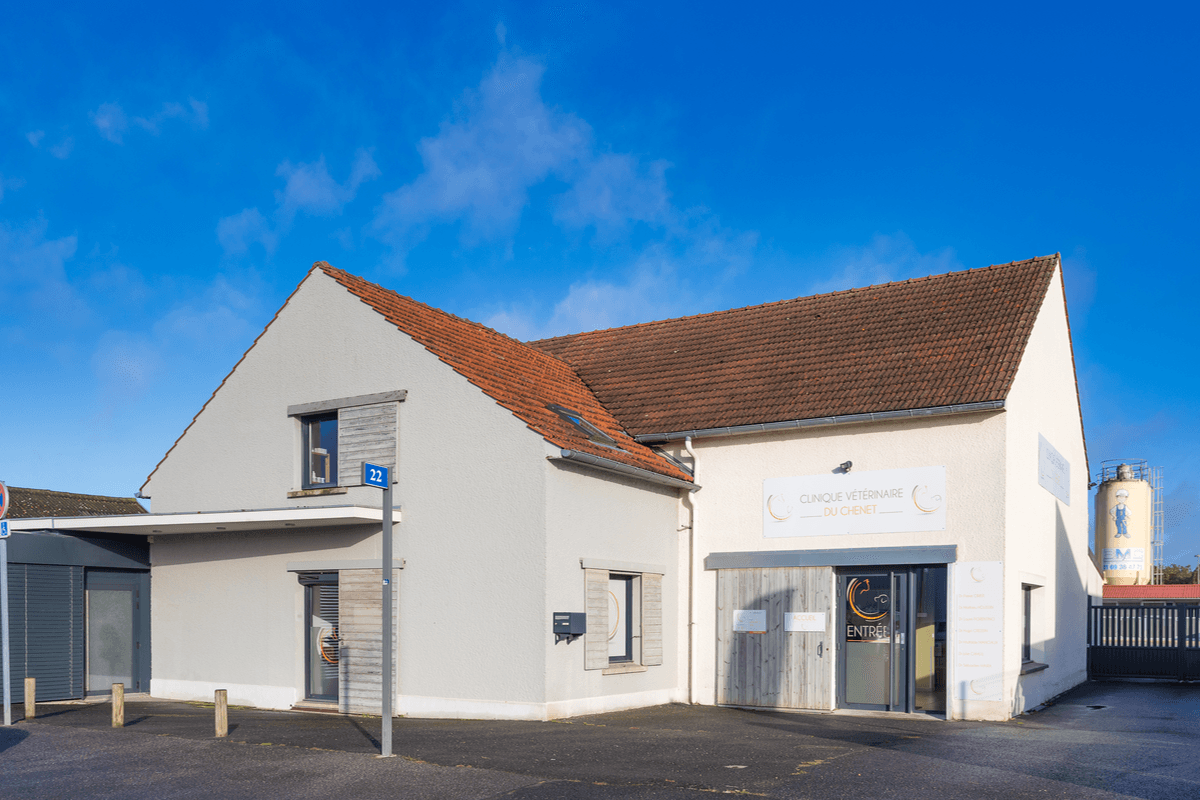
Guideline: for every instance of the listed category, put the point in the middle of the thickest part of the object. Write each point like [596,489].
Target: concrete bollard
[118,705]
[30,698]
[221,702]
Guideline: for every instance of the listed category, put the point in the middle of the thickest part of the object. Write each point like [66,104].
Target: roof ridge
[72,494]
[772,303]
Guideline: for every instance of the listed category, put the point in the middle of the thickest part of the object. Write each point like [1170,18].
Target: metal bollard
[221,702]
[30,698]
[118,705]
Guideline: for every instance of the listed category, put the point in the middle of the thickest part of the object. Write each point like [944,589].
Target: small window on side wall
[319,434]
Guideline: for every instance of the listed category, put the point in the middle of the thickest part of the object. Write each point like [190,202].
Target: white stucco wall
[226,614]
[596,515]
[1047,542]
[729,506]
[470,488]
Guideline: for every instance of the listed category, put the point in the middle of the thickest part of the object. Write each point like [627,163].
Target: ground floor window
[624,620]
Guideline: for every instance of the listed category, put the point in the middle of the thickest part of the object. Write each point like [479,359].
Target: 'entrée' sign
[882,501]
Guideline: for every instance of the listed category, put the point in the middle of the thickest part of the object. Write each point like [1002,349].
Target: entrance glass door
[892,639]
[873,654]
[322,644]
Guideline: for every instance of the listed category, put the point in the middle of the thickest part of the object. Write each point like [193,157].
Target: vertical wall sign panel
[780,668]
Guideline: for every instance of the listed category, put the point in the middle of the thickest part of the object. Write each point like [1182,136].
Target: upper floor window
[320,446]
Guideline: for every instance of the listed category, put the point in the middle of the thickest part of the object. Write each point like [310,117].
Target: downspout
[687,445]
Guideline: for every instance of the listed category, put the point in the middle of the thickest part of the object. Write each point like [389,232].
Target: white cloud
[668,278]
[63,148]
[195,114]
[308,187]
[614,190]
[237,232]
[33,268]
[35,137]
[110,121]
[885,259]
[480,166]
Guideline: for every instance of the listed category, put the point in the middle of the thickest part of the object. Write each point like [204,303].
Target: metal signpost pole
[6,672]
[381,478]
[385,739]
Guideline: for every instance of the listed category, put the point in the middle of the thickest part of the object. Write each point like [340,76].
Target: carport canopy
[210,521]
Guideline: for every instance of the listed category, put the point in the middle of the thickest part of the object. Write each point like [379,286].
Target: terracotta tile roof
[1166,591]
[923,343]
[39,503]
[520,378]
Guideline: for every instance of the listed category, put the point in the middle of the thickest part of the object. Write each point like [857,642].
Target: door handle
[820,649]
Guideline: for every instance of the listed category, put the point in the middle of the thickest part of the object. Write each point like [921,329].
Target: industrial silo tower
[1129,536]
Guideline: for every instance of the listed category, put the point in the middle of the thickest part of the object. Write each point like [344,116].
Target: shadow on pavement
[11,737]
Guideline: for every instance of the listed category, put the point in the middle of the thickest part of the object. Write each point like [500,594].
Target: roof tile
[521,378]
[920,343]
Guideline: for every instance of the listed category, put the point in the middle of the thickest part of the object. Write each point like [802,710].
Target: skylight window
[589,430]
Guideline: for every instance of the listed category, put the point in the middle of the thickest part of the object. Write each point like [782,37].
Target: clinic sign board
[1054,471]
[878,501]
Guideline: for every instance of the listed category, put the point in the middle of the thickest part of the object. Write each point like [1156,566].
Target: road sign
[3,500]
[3,529]
[375,475]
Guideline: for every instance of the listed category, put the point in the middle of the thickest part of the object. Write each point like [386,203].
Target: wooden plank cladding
[360,600]
[366,433]
[778,668]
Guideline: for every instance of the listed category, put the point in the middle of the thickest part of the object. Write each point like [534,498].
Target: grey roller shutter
[53,630]
[595,641]
[652,621]
[16,630]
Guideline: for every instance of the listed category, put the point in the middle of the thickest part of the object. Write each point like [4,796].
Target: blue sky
[168,175]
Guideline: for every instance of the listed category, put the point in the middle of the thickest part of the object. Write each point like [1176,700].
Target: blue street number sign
[375,475]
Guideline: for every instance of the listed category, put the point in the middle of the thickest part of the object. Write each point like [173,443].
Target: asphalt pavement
[1101,740]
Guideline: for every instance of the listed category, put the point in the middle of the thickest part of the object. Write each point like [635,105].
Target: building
[1163,594]
[870,499]
[79,610]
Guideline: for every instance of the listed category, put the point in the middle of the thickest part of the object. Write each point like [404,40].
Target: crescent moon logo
[924,500]
[976,575]
[857,587]
[778,507]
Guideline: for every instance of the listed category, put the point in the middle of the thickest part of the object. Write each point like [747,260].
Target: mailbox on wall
[569,624]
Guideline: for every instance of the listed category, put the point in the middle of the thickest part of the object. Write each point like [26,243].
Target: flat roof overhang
[211,521]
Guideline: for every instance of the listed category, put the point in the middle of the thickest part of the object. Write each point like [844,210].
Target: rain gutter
[821,422]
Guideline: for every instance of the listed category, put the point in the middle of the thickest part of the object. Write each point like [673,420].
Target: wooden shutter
[595,641]
[365,433]
[652,621]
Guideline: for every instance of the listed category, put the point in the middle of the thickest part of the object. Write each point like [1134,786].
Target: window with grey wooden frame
[319,443]
[624,620]
[1027,638]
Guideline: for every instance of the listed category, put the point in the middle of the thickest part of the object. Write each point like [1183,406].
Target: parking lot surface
[1102,740]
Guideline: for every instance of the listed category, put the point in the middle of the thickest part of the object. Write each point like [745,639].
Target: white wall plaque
[880,501]
[750,621]
[806,621]
[1054,471]
[978,630]
[1128,558]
